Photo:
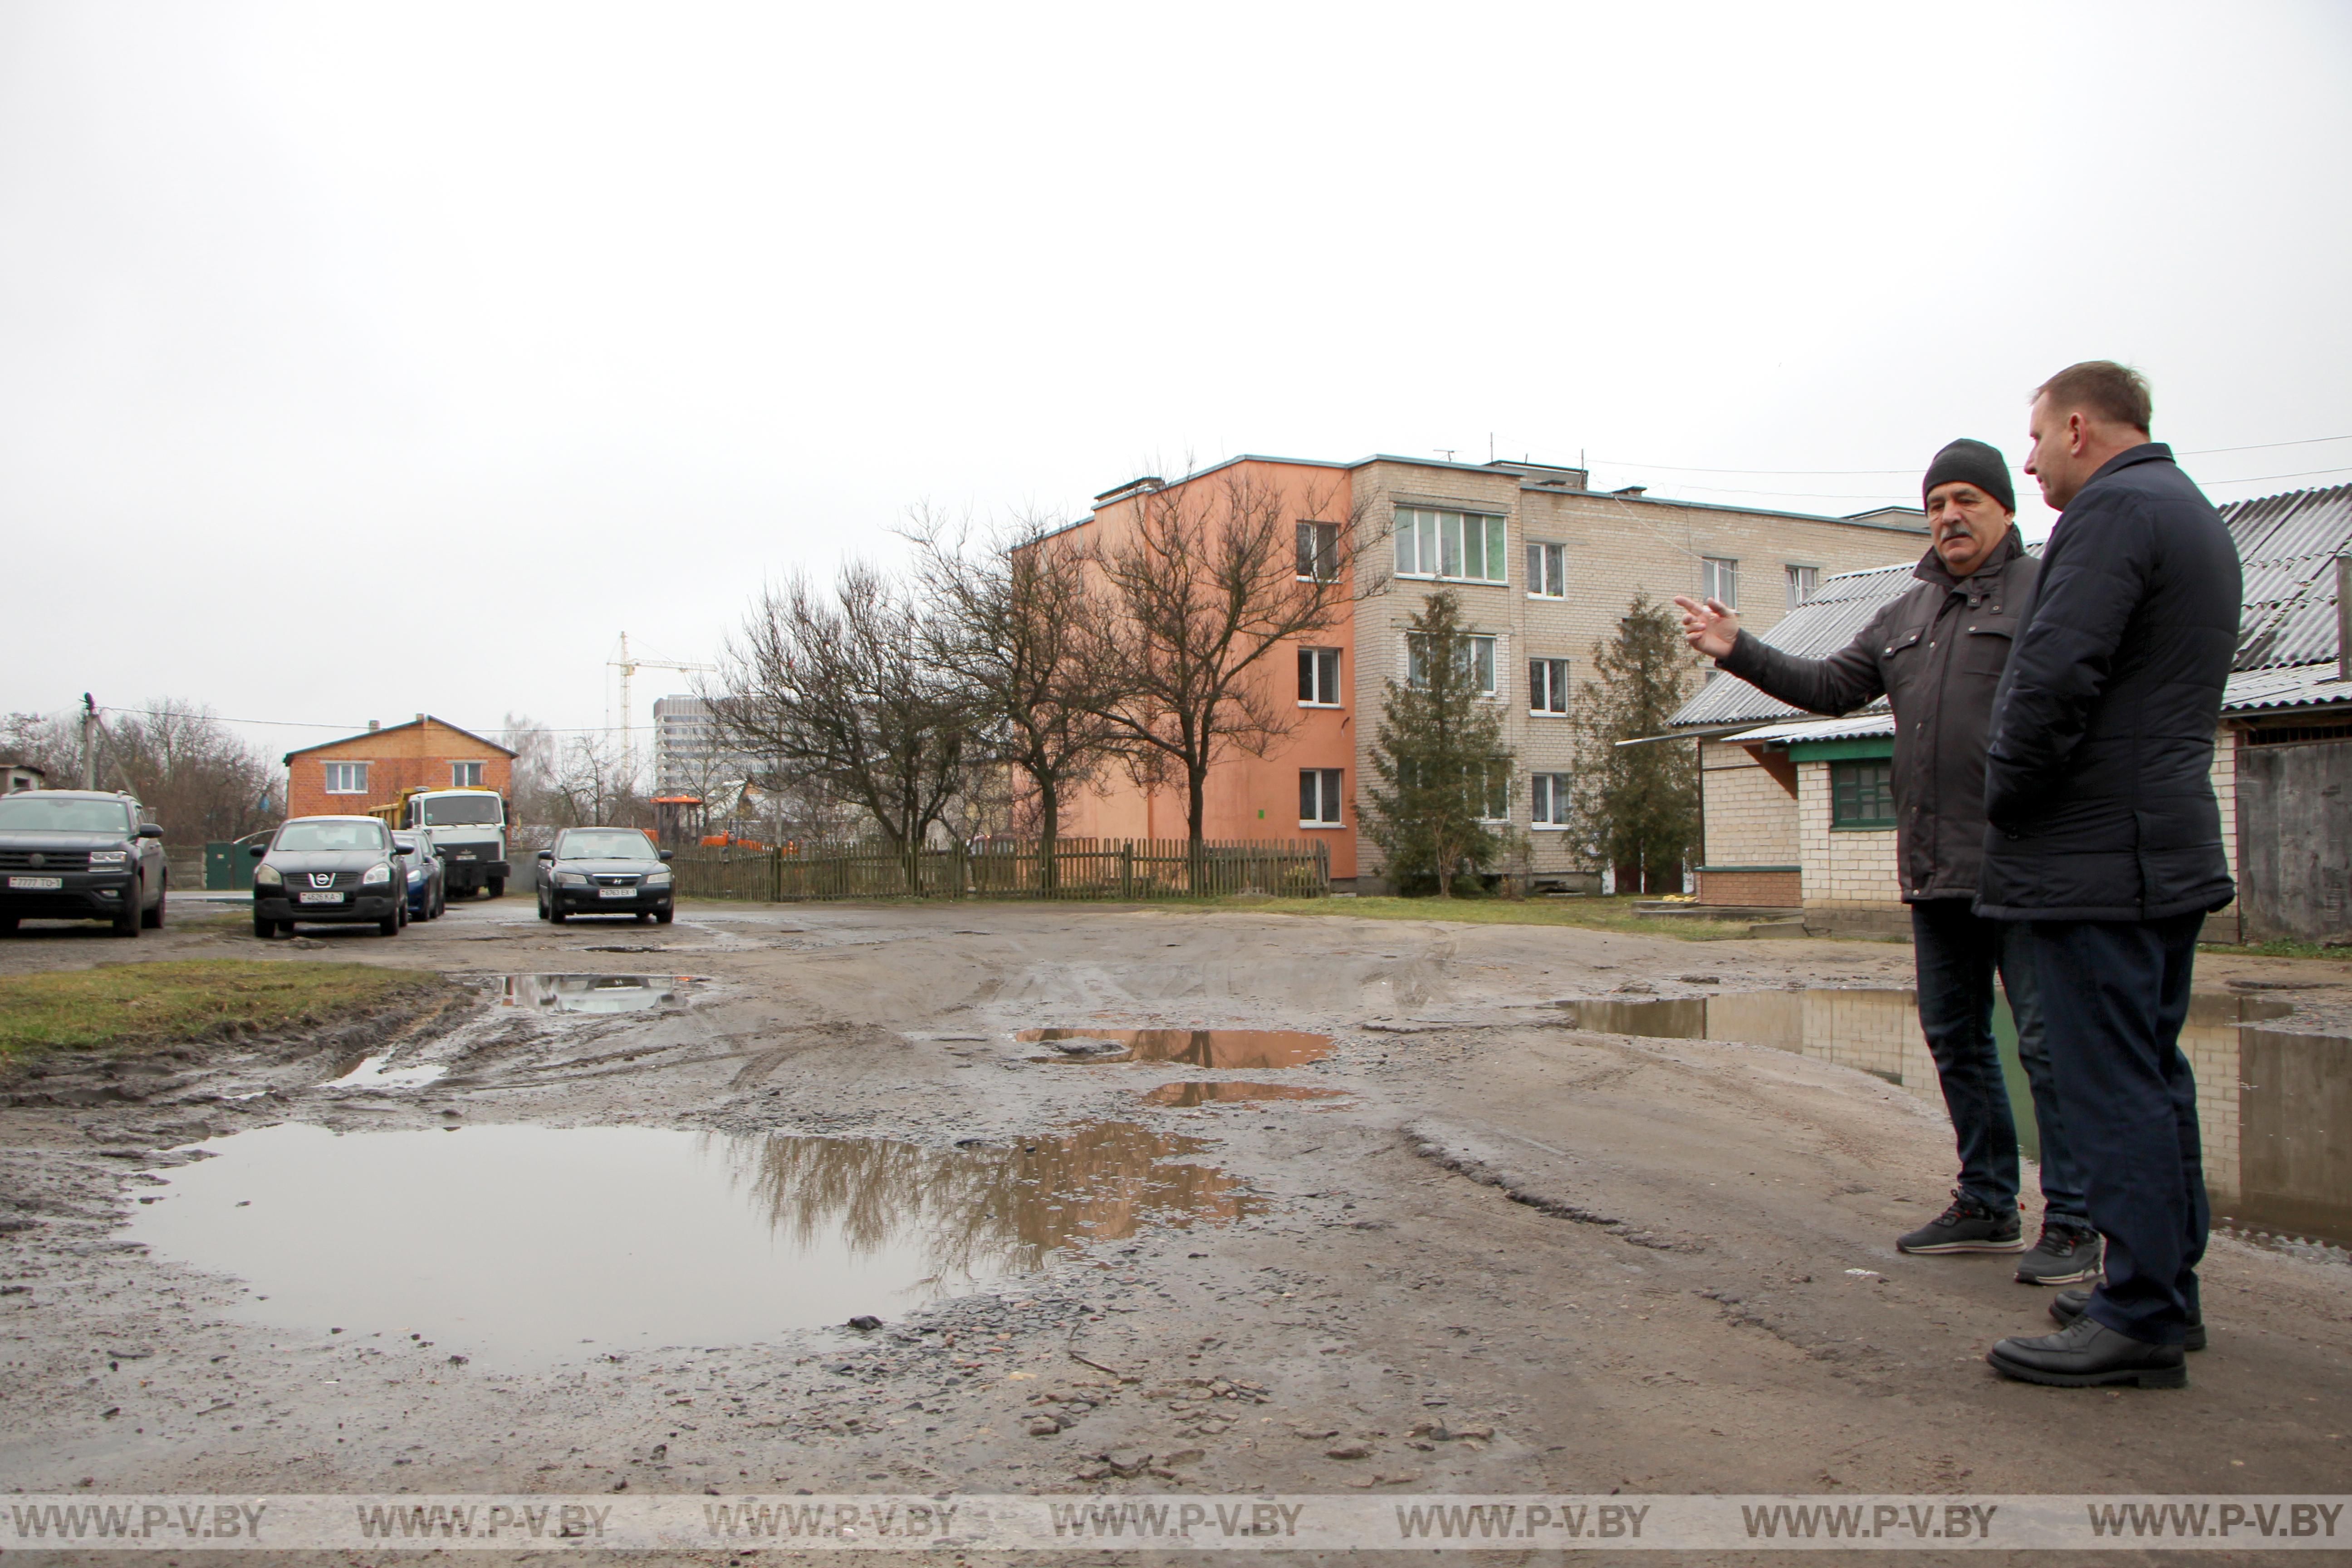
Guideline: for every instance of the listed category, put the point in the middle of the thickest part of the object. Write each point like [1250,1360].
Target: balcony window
[1476,653]
[1462,546]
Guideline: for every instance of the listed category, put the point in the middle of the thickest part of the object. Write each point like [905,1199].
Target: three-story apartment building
[1543,567]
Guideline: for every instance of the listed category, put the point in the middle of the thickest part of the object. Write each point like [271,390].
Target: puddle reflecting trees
[592,993]
[2266,1100]
[1228,1049]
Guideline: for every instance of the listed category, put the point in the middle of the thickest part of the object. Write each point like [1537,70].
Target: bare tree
[591,786]
[530,796]
[839,692]
[192,773]
[1211,582]
[1010,621]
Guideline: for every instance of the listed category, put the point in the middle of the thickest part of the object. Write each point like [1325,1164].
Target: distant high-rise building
[686,755]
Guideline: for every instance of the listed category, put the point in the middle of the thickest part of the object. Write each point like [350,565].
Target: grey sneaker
[1967,1226]
[2064,1256]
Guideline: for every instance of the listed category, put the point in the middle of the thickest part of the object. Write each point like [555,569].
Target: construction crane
[628,667]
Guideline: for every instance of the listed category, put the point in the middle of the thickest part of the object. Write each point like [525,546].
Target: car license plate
[322,897]
[616,892]
[36,883]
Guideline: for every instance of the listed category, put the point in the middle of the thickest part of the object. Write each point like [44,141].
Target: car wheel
[154,919]
[542,905]
[390,925]
[263,927]
[644,917]
[132,916]
[555,910]
[497,888]
[8,922]
[662,917]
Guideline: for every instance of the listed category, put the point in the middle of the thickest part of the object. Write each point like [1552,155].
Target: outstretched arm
[1838,684]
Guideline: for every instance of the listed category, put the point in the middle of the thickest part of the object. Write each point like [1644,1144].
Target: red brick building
[345,777]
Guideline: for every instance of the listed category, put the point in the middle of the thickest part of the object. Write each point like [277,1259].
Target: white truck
[469,831]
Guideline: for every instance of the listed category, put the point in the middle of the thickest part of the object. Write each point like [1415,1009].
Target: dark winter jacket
[2099,784]
[1935,653]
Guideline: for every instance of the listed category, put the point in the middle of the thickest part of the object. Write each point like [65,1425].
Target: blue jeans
[1957,953]
[2117,992]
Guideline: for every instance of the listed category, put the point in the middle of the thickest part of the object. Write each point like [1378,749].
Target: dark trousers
[2113,995]
[1957,953]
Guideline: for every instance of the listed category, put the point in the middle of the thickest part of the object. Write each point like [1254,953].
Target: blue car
[428,881]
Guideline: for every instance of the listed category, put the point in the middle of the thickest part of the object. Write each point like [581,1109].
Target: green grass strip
[115,1005]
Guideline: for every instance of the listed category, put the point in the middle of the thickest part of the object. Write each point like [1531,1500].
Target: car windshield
[449,810]
[49,815]
[325,836]
[604,843]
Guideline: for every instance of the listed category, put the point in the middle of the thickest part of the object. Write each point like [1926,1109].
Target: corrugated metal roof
[2302,687]
[2287,546]
[1853,727]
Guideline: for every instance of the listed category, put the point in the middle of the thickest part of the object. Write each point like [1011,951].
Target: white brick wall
[1852,869]
[1751,819]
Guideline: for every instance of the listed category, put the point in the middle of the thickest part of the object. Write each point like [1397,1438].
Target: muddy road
[597,1222]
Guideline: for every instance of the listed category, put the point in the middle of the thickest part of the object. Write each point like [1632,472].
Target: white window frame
[1425,534]
[1331,787]
[347,778]
[1718,578]
[1547,796]
[1494,690]
[1804,581]
[468,775]
[1547,570]
[1553,686]
[1491,777]
[1314,663]
[1319,548]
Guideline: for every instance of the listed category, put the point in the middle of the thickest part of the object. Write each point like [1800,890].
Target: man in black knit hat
[1937,654]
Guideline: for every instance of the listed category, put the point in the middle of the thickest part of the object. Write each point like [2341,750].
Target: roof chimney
[374,726]
[2344,618]
[1629,490]
[420,717]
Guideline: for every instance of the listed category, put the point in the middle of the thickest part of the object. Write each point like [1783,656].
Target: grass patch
[1592,913]
[2278,949]
[119,1005]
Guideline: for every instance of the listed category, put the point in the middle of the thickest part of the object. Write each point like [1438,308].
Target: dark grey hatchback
[337,868]
[603,871]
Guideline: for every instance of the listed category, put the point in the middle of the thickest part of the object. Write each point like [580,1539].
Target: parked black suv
[337,868]
[79,855]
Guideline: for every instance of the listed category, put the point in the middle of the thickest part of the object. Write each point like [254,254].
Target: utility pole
[89,743]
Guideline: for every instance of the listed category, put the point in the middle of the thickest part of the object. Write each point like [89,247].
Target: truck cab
[469,831]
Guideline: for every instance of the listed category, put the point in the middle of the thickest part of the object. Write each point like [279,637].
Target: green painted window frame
[1847,794]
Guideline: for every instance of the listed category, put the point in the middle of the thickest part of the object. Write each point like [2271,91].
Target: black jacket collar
[2146,452]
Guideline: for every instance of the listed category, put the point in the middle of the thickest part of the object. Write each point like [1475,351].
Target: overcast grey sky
[358,360]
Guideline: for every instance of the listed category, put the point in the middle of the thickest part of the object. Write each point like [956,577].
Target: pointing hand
[1711,628]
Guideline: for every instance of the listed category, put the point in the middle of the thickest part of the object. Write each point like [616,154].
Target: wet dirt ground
[1496,1253]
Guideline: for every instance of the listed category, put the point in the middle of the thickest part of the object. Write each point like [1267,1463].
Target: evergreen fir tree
[1440,762]
[1636,808]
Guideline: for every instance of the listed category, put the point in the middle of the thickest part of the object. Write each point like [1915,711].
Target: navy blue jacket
[2098,786]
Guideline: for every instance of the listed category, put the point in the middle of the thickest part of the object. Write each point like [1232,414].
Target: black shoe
[2067,1305]
[1967,1226]
[2064,1256]
[2086,1353]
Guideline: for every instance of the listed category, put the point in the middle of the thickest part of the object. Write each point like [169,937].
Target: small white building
[1798,810]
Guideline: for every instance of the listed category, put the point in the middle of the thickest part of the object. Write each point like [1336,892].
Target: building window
[1467,546]
[1718,578]
[465,776]
[1802,580]
[1319,550]
[1547,799]
[1318,676]
[1318,798]
[1861,794]
[1477,654]
[1547,686]
[1490,789]
[347,778]
[1547,572]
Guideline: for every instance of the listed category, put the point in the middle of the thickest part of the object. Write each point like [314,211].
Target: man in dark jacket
[1935,653]
[2106,837]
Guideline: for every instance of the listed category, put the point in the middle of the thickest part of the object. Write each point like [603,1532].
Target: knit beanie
[1976,463]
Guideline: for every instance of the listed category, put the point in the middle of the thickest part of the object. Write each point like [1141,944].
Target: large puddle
[592,993]
[1191,1096]
[2273,1106]
[1227,1049]
[525,1245]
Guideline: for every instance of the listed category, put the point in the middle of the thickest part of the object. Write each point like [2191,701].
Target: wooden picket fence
[1126,869]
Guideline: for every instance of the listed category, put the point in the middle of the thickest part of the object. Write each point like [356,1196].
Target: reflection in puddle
[2266,1100]
[1187,1095]
[592,993]
[371,1073]
[529,1244]
[1227,1049]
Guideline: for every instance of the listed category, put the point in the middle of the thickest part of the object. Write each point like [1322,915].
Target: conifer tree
[1442,769]
[1636,808]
